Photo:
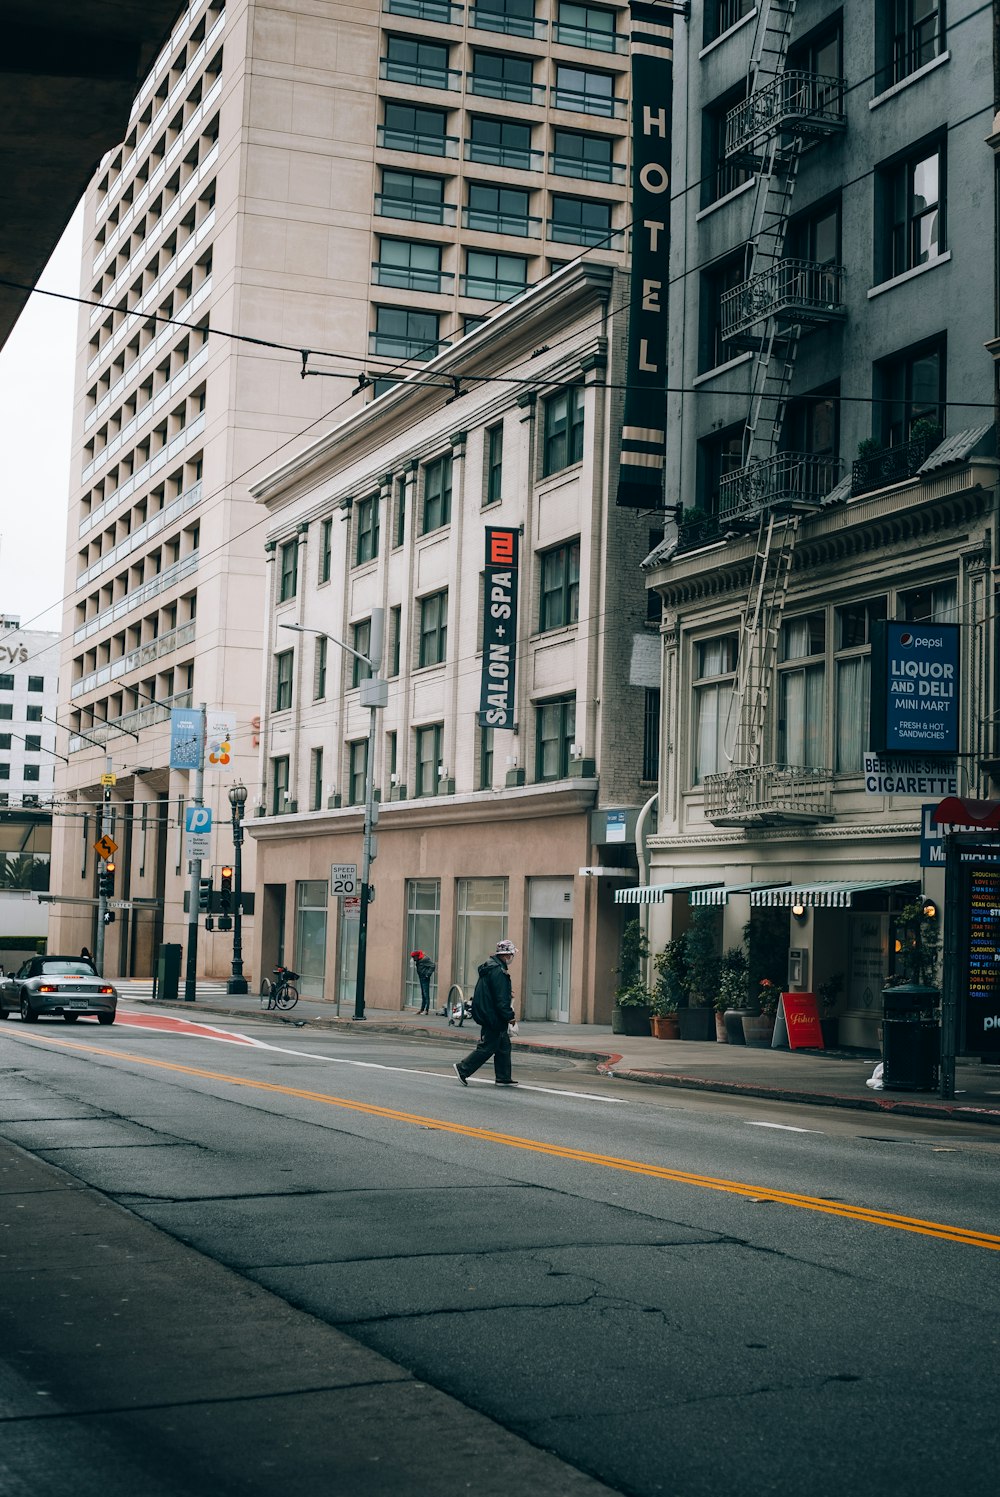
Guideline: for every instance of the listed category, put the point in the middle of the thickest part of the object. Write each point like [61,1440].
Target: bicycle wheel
[265,987]
[287,995]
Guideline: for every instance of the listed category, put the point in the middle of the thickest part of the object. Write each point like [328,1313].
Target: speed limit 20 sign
[343,880]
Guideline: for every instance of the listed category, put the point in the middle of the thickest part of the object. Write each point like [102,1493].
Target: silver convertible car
[58,987]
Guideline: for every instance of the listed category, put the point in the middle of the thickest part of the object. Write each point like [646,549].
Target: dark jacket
[491,1002]
[425,968]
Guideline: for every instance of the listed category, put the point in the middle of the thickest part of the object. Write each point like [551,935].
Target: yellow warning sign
[109,779]
[105,847]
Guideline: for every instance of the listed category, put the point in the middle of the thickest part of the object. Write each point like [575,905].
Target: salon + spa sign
[496,698]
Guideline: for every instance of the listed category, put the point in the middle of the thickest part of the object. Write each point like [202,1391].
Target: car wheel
[4,1013]
[27,1012]
[70,1018]
[105,1018]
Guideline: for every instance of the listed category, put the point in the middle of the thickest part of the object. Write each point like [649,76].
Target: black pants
[425,993]
[495,1042]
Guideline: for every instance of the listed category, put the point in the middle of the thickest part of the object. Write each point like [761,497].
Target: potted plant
[732,998]
[697,1020]
[663,1019]
[630,1014]
[758,1029]
[828,993]
[670,990]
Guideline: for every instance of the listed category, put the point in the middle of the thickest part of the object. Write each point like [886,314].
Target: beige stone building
[359,181]
[482,832]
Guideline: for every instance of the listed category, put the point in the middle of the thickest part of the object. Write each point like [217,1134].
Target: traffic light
[106,880]
[205,895]
[109,869]
[226,890]
[109,917]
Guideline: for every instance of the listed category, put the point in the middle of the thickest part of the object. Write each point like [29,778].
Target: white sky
[36,401]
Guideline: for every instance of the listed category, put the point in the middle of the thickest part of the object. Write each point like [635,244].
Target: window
[720,173]
[5,740]
[433,629]
[515,17]
[555,725]
[409,264]
[283,665]
[6,711]
[325,549]
[911,198]
[32,743]
[366,522]
[6,682]
[577,155]
[404,334]
[802,692]
[423,924]
[357,769]
[586,26]
[312,900]
[499,142]
[485,765]
[30,771]
[853,680]
[651,734]
[319,668]
[412,195]
[494,464]
[499,75]
[316,779]
[911,388]
[720,15]
[400,526]
[480,922]
[4,771]
[562,431]
[361,641]
[909,34]
[498,210]
[714,285]
[391,747]
[718,456]
[494,277]
[279,786]
[585,91]
[579,220]
[714,682]
[409,127]
[559,601]
[410,59]
[395,633]
[36,683]
[937,603]
[437,494]
[289,555]
[428,745]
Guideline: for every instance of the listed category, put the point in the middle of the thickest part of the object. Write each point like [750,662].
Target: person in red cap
[425,971]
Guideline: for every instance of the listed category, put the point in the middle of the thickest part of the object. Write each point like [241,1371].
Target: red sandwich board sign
[802,1021]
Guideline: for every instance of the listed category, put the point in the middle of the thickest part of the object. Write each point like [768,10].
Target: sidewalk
[834,1079]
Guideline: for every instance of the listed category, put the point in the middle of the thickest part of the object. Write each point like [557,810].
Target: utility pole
[374,695]
[194,869]
[102,877]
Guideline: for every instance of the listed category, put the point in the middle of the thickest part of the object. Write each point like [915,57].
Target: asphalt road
[673,1293]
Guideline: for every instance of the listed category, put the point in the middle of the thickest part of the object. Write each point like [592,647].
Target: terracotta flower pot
[720,1029]
[665,1027]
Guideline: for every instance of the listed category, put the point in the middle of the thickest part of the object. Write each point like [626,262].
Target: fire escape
[779,300]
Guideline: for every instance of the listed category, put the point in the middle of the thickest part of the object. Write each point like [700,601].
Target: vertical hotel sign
[496,700]
[640,473]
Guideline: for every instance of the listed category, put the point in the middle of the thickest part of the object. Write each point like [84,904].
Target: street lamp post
[237,799]
[374,696]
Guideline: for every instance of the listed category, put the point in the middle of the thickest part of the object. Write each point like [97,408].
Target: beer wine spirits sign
[496,700]
[915,699]
[640,472]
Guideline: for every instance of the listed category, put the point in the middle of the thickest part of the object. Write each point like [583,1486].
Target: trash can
[911,1041]
[168,973]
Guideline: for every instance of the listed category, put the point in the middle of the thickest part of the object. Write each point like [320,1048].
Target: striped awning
[651,893]
[829,895]
[718,894]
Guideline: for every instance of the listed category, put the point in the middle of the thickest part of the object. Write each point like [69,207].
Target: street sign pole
[194,872]
[102,894]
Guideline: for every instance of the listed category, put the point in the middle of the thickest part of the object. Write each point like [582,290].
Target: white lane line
[785,1127]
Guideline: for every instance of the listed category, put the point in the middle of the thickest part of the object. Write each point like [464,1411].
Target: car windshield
[68,968]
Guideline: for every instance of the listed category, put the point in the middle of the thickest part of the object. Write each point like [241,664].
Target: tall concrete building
[360,182]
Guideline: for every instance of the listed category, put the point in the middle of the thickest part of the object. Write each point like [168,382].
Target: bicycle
[282,992]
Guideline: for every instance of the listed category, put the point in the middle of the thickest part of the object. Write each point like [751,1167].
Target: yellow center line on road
[943,1231]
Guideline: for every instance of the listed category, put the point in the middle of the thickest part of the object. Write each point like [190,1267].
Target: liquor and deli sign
[496,699]
[915,698]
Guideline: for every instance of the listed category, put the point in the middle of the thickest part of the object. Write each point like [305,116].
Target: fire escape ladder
[759,636]
[770,43]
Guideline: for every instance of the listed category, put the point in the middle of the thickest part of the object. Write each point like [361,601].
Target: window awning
[831,894]
[719,894]
[652,893]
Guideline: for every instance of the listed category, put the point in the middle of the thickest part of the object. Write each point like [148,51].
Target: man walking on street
[493,1010]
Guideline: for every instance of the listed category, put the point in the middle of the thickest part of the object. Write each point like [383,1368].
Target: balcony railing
[584,234]
[129,722]
[491,289]
[486,19]
[589,171]
[398,346]
[695,528]
[510,89]
[769,794]
[787,478]
[796,102]
[426,10]
[517,158]
[414,210]
[585,36]
[581,102]
[418,75]
[891,465]
[416,140]
[409,278]
[793,291]
[487,222]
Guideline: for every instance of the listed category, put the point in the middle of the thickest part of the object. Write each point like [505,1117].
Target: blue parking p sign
[197,820]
